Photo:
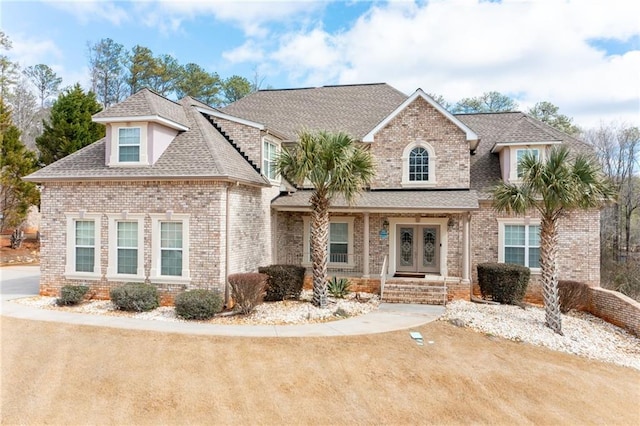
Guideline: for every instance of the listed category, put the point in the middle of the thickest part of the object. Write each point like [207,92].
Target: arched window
[418,165]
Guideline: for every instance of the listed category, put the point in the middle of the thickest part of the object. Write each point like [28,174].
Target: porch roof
[386,201]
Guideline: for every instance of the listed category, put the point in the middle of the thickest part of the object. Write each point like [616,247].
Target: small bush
[199,304]
[71,295]
[573,295]
[338,287]
[285,281]
[136,297]
[247,290]
[503,282]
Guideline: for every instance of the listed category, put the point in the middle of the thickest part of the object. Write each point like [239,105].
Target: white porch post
[466,248]
[365,249]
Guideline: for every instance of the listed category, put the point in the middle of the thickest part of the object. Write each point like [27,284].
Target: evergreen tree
[142,67]
[194,81]
[16,161]
[548,113]
[70,127]
[236,87]
[488,102]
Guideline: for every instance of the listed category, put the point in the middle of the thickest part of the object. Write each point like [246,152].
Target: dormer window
[129,145]
[520,153]
[418,165]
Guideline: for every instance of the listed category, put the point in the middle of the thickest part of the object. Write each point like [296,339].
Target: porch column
[365,249]
[466,247]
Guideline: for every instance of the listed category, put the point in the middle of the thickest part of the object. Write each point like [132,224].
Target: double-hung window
[126,247]
[269,152]
[83,246]
[520,153]
[170,241]
[520,244]
[129,144]
[340,240]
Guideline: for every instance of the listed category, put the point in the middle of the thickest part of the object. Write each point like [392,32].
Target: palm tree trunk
[549,268]
[319,245]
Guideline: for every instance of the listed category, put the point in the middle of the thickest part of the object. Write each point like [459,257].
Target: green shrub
[71,295]
[285,281]
[199,304]
[247,290]
[338,287]
[573,295]
[136,297]
[503,282]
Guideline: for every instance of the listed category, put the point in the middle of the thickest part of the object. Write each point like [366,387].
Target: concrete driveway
[19,281]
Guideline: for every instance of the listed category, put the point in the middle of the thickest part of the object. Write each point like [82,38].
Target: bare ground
[67,374]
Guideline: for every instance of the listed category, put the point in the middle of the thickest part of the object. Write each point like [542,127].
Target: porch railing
[383,275]
[339,264]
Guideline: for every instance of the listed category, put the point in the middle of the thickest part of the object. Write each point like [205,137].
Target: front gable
[421,146]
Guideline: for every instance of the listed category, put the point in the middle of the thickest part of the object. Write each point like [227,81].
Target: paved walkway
[22,281]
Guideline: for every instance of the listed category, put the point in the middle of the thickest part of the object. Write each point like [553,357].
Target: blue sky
[583,56]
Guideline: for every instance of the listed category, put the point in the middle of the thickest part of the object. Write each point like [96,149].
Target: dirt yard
[66,374]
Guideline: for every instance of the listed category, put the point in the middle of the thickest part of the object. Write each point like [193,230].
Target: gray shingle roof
[515,127]
[390,200]
[355,109]
[199,153]
[145,103]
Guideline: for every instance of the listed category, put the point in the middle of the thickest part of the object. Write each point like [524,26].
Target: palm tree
[553,188]
[333,164]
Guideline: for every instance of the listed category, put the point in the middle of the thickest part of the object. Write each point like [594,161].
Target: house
[180,194]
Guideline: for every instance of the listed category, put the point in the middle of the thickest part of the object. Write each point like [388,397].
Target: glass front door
[418,248]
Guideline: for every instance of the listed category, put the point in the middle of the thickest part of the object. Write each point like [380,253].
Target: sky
[583,56]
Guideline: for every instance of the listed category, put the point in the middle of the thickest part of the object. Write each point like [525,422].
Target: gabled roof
[354,109]
[145,105]
[504,128]
[472,137]
[199,153]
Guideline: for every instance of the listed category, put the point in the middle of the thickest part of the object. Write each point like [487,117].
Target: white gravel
[584,334]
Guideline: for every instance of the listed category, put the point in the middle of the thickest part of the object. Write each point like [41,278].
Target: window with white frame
[170,241]
[269,153]
[520,153]
[129,144]
[520,243]
[126,247]
[340,241]
[418,165]
[83,246]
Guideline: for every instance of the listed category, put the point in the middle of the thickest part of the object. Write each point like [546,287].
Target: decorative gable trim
[472,137]
[148,118]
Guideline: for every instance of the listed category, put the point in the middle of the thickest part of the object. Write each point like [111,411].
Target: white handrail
[383,276]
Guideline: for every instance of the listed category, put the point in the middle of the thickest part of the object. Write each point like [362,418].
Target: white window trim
[154,273]
[278,147]
[526,221]
[112,268]
[405,166]
[349,220]
[70,265]
[513,158]
[114,158]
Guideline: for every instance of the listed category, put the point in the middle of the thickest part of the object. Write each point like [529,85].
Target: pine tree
[70,127]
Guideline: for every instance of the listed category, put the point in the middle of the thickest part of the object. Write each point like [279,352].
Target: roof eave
[471,136]
[141,118]
[226,178]
[497,147]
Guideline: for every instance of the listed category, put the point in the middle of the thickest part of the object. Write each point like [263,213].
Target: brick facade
[421,122]
[205,203]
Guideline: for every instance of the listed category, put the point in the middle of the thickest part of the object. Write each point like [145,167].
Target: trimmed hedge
[71,295]
[198,304]
[247,290]
[503,282]
[136,297]
[285,281]
[573,295]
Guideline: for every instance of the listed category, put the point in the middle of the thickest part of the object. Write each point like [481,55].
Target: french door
[418,248]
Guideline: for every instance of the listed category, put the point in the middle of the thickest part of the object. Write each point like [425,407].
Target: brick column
[466,248]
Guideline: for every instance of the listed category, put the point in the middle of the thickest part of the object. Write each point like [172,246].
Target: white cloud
[247,52]
[533,51]
[86,11]
[29,51]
